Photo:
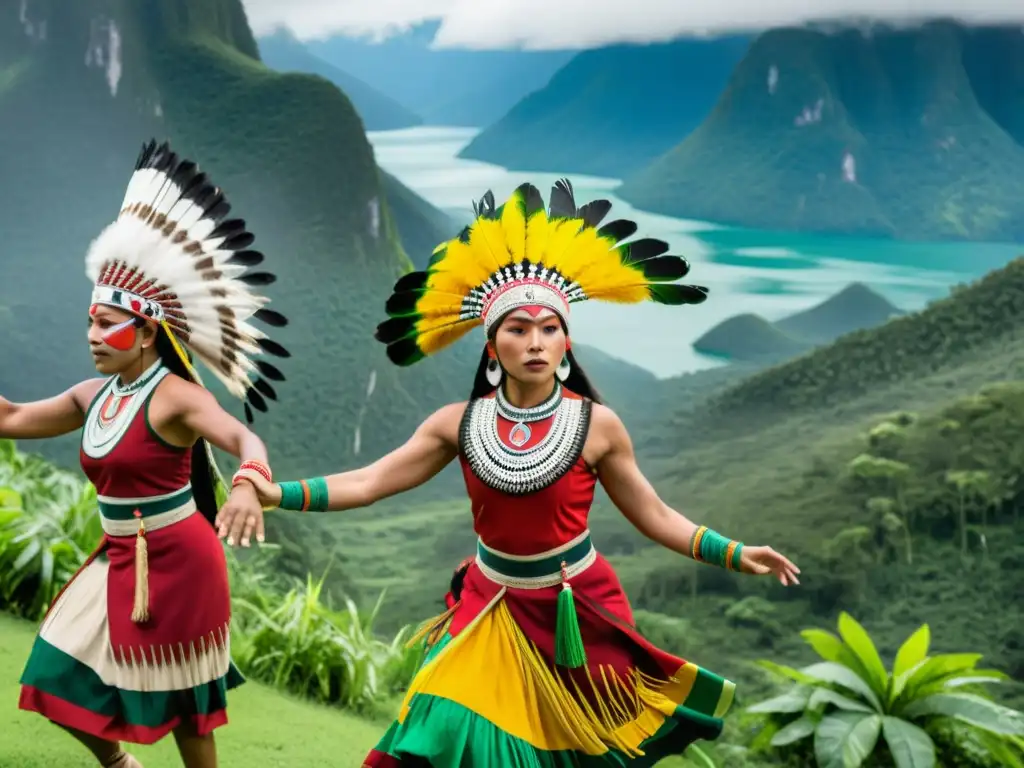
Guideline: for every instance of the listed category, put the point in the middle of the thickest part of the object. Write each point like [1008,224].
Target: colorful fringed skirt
[94,669]
[489,692]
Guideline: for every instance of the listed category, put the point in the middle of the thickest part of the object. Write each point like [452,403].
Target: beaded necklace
[513,469]
[114,409]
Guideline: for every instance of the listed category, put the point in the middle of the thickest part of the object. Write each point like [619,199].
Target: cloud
[540,24]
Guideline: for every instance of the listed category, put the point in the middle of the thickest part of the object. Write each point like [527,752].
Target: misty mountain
[283,52]
[444,86]
[611,111]
[912,133]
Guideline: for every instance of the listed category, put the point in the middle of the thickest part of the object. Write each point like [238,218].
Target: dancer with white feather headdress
[136,646]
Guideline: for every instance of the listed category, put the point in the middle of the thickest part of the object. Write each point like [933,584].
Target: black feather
[402,303]
[248,413]
[269,370]
[220,209]
[184,175]
[404,352]
[395,329]
[562,204]
[643,249]
[273,348]
[675,293]
[258,278]
[532,201]
[411,282]
[271,317]
[256,399]
[664,268]
[265,389]
[238,242]
[594,212]
[229,228]
[485,207]
[617,230]
[246,258]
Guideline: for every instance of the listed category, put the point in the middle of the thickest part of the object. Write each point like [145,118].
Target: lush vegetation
[848,710]
[886,134]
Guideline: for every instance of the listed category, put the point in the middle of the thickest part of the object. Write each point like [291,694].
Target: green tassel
[569,651]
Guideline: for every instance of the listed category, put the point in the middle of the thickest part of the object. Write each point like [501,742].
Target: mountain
[611,111]
[421,226]
[901,133]
[751,338]
[284,53]
[969,339]
[83,87]
[458,87]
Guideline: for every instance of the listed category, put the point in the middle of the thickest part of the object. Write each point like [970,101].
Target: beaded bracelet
[250,466]
[305,495]
[707,546]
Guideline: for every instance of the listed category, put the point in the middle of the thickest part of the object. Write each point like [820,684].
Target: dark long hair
[203,485]
[576,381]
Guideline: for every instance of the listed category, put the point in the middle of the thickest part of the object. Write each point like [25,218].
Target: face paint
[121,337]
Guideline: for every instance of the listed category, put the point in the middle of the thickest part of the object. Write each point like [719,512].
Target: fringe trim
[175,667]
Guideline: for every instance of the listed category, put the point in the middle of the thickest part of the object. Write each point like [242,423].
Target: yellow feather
[513,226]
[538,235]
[432,341]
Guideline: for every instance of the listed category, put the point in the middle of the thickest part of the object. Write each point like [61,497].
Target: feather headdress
[518,255]
[173,257]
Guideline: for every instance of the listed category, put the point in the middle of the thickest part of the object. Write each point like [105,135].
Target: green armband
[707,546]
[305,495]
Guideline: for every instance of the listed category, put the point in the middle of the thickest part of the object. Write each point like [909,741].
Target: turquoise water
[772,274]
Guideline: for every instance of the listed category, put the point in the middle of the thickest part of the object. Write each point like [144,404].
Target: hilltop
[283,52]
[189,71]
[897,133]
[612,110]
[750,337]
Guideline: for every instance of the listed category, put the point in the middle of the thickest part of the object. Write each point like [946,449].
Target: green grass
[266,728]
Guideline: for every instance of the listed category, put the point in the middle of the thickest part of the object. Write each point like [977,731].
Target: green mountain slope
[894,133]
[612,110]
[421,227]
[954,345]
[284,53]
[291,154]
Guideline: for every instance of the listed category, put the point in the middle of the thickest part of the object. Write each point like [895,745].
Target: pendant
[519,435]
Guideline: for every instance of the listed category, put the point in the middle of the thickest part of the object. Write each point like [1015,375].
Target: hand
[762,561]
[241,515]
[269,493]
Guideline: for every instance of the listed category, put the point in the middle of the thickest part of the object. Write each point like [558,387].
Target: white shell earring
[493,372]
[562,371]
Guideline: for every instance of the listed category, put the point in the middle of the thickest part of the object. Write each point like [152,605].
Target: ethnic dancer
[537,661]
[136,645]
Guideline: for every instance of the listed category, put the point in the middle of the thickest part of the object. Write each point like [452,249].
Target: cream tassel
[140,607]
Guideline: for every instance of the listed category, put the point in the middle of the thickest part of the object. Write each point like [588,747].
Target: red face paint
[121,337]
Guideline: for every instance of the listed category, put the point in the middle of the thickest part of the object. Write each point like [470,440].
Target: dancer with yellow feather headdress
[537,661]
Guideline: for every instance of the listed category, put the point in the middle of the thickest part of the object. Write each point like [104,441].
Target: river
[771,274]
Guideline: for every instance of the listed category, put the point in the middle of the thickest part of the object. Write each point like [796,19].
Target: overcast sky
[588,23]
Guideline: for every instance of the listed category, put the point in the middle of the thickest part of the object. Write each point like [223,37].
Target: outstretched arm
[47,418]
[430,449]
[631,492]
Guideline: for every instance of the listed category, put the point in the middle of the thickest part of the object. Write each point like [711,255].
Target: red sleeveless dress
[491,691]
[92,666]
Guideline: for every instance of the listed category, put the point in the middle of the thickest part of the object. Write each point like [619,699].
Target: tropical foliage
[848,710]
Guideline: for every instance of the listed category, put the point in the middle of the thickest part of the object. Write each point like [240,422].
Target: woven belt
[536,571]
[117,516]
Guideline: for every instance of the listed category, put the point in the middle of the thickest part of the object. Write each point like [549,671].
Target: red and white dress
[490,692]
[92,667]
